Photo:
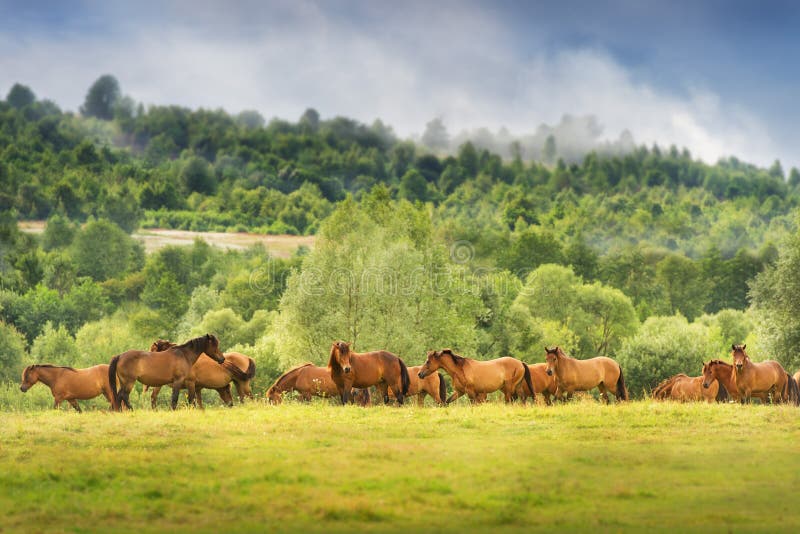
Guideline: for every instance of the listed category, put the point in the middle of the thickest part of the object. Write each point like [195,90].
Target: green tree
[101,98]
[55,345]
[58,233]
[12,352]
[102,250]
[684,288]
[413,186]
[196,176]
[435,136]
[20,96]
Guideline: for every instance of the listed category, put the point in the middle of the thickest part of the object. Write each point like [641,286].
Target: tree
[775,294]
[549,151]
[101,98]
[684,289]
[413,186]
[20,96]
[310,120]
[58,233]
[12,352]
[55,345]
[102,250]
[435,136]
[196,176]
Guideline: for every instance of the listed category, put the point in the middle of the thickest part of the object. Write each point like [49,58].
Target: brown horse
[767,377]
[479,378]
[689,388]
[172,366]
[207,373]
[68,384]
[309,381]
[722,372]
[582,375]
[433,385]
[542,384]
[380,368]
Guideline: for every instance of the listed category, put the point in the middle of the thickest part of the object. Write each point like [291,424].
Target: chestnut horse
[767,377]
[722,372]
[309,381]
[542,384]
[433,385]
[361,370]
[690,388]
[207,373]
[582,375]
[68,384]
[172,366]
[479,378]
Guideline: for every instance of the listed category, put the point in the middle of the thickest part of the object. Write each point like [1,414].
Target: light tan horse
[309,381]
[68,384]
[237,368]
[768,377]
[583,375]
[542,384]
[686,388]
[172,366]
[433,385]
[379,368]
[477,378]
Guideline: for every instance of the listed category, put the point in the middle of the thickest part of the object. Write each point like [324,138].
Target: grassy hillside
[583,466]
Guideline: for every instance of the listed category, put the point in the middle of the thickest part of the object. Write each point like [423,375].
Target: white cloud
[406,69]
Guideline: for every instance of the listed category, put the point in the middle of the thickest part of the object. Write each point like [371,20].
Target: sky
[717,77]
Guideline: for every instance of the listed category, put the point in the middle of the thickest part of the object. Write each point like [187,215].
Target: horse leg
[198,397]
[239,392]
[547,400]
[192,390]
[57,403]
[453,396]
[176,391]
[154,397]
[421,399]
[383,387]
[603,392]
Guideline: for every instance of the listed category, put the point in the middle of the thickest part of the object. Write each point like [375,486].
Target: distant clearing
[281,246]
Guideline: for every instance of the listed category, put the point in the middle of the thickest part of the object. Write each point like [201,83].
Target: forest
[646,254]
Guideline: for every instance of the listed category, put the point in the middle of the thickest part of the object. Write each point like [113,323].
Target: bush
[664,346]
[55,345]
[12,352]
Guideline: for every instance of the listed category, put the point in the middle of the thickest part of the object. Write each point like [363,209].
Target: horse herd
[349,376]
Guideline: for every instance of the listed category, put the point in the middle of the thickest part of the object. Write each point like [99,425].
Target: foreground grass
[583,466]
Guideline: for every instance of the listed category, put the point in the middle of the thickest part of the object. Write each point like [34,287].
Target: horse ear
[733,347]
[744,347]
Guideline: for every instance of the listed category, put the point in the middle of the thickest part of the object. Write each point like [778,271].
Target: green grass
[579,467]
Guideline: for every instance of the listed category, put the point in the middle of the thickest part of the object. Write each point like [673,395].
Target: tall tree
[101,98]
[20,96]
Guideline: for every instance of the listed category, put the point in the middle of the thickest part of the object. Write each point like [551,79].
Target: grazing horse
[690,388]
[582,375]
[207,373]
[361,370]
[479,378]
[171,366]
[542,384]
[767,377]
[433,385]
[68,384]
[309,381]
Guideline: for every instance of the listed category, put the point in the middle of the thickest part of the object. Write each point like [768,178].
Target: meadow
[308,468]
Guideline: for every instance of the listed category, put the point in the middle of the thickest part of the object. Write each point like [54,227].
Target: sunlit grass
[320,467]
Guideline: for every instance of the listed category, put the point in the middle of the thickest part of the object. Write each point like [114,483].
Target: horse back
[369,368]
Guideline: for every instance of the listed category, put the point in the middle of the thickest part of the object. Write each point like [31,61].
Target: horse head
[340,355]
[740,357]
[551,357]
[433,362]
[29,378]
[274,396]
[212,348]
[708,374]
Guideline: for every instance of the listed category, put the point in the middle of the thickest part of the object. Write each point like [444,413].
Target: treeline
[663,243]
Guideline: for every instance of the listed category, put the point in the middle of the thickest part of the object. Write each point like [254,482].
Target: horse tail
[442,389]
[528,381]
[112,381]
[405,381]
[622,391]
[722,393]
[236,373]
[251,369]
[793,390]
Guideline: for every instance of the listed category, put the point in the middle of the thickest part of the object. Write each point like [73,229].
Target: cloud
[404,65]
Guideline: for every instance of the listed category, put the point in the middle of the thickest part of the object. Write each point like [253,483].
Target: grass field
[579,467]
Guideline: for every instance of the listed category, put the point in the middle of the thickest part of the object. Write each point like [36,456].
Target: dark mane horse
[172,366]
[361,370]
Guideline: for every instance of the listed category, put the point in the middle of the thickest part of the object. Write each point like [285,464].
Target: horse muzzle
[421,374]
[23,389]
[706,385]
[346,369]
[739,366]
[549,372]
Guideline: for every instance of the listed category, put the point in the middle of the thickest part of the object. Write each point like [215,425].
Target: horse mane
[165,343]
[197,344]
[720,362]
[285,376]
[458,360]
